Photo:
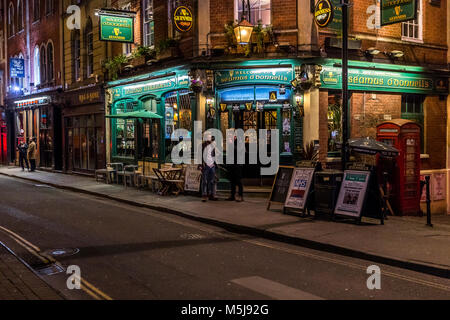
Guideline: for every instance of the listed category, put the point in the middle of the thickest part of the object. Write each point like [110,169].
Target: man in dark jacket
[23,149]
[235,176]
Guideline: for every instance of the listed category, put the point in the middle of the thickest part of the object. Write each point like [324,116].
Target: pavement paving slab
[404,240]
[18,282]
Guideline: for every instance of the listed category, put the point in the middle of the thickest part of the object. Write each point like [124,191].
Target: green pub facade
[144,111]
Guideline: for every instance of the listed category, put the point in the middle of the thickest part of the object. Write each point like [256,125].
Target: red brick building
[33,100]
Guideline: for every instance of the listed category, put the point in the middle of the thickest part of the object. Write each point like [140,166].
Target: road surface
[127,252]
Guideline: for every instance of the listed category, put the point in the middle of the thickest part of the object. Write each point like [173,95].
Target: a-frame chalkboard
[281,185]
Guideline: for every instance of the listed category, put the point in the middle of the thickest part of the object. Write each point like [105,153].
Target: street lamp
[243,31]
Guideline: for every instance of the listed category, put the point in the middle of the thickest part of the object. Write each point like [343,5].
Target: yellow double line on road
[87,287]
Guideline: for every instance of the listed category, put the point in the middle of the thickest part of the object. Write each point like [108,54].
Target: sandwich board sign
[281,185]
[352,194]
[192,178]
[299,188]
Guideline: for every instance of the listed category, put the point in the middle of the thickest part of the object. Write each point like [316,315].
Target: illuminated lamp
[243,32]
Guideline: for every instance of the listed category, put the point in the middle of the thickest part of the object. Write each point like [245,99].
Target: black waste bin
[326,189]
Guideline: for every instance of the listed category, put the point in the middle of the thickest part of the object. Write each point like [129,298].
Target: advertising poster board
[439,187]
[299,188]
[192,178]
[281,185]
[353,193]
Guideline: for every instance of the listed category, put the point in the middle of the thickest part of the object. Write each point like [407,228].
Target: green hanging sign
[116,28]
[396,11]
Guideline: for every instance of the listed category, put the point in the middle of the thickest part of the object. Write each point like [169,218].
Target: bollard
[427,182]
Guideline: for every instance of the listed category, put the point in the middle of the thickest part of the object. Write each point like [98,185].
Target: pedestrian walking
[23,150]
[235,176]
[32,150]
[208,170]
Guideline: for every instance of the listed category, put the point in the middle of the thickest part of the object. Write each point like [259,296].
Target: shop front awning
[135,115]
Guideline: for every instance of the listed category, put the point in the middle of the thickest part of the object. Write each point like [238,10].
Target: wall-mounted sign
[116,28]
[17,68]
[273,96]
[336,23]
[254,76]
[35,102]
[395,11]
[377,80]
[183,19]
[323,13]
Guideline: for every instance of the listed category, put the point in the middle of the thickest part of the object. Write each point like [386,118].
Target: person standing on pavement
[23,149]
[208,170]
[32,150]
[235,176]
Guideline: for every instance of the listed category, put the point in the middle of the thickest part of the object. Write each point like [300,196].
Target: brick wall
[432,50]
[435,132]
[368,109]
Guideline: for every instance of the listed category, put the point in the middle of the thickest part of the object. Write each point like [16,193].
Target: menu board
[352,194]
[192,178]
[281,185]
[299,188]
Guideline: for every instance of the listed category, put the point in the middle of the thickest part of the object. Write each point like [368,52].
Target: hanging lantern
[243,32]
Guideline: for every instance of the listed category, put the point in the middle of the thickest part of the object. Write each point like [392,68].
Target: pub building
[39,116]
[143,112]
[257,95]
[84,129]
[381,93]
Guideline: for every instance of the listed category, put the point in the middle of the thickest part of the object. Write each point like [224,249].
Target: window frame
[50,67]
[36,10]
[11,21]
[20,21]
[236,12]
[76,55]
[413,23]
[43,64]
[37,66]
[89,42]
[148,22]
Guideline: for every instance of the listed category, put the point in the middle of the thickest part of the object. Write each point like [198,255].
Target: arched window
[43,65]
[76,60]
[36,10]
[11,24]
[36,67]
[89,36]
[49,7]
[50,67]
[19,15]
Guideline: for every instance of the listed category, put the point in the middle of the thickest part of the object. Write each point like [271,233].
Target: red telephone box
[405,176]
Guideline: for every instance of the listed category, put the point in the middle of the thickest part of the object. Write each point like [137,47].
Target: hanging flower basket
[197,85]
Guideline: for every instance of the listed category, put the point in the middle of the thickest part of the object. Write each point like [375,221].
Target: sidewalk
[403,241]
[17,282]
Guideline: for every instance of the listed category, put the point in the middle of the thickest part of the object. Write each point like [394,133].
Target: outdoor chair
[129,173]
[117,170]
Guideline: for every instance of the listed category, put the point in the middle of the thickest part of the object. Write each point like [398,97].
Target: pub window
[36,67]
[11,24]
[36,10]
[178,112]
[19,15]
[286,118]
[334,123]
[89,49]
[49,7]
[259,11]
[151,135]
[76,61]
[412,30]
[126,47]
[125,129]
[149,24]
[50,67]
[412,109]
[43,64]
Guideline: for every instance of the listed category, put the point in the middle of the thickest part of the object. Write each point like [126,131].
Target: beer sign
[323,13]
[183,19]
[395,11]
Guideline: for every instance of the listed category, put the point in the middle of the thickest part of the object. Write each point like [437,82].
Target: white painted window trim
[236,14]
[420,23]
